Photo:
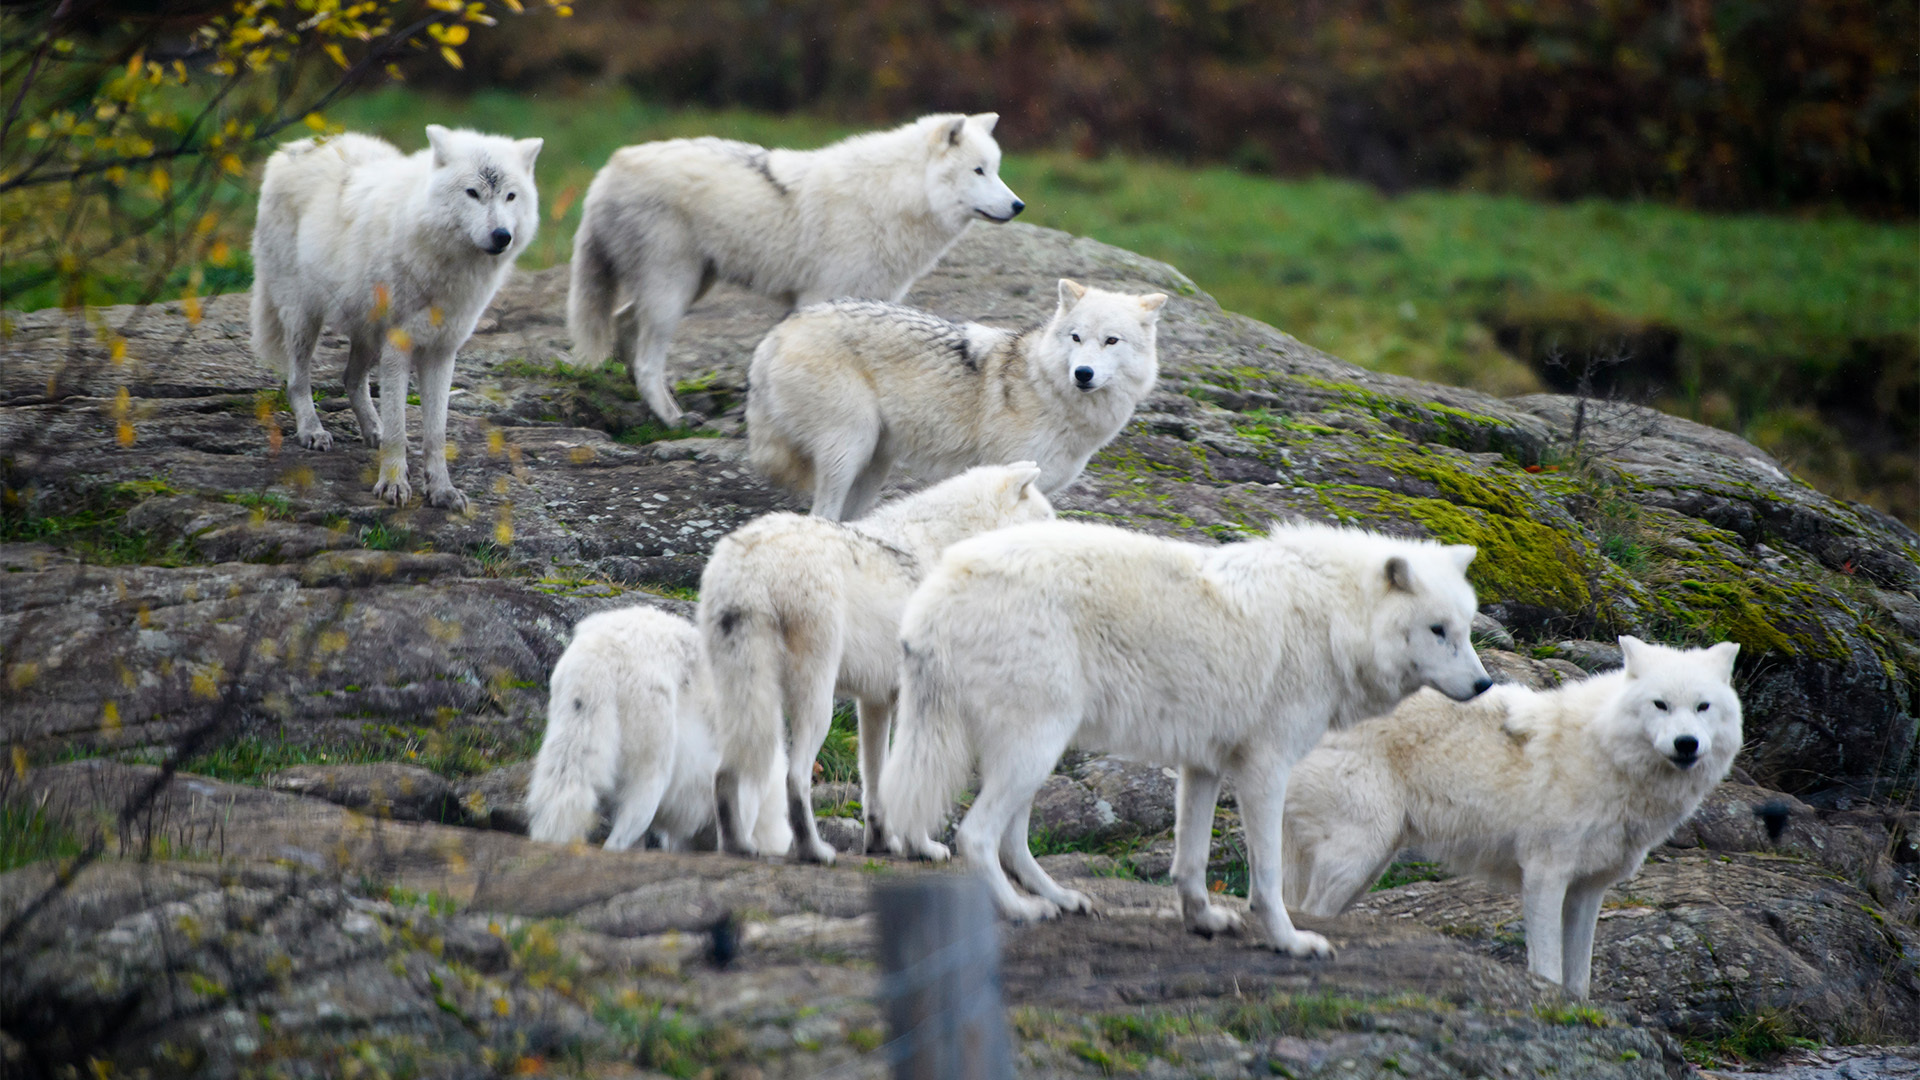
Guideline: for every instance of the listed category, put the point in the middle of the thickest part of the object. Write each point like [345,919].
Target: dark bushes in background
[1754,104]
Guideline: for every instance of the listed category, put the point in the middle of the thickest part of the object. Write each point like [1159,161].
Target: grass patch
[1749,1037]
[380,536]
[1304,1014]
[27,837]
[455,750]
[1572,1014]
[1406,873]
[91,525]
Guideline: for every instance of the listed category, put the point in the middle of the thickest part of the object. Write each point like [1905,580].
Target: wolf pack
[1328,672]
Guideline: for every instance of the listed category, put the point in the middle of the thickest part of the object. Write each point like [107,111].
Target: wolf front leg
[1543,895]
[1263,795]
[1579,913]
[1192,839]
[392,484]
[435,366]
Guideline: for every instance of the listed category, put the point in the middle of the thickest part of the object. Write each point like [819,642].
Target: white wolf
[1557,793]
[794,610]
[629,720]
[842,391]
[1221,660]
[865,216]
[401,254]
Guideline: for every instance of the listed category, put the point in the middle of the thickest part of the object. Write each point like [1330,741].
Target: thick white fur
[844,391]
[628,720]
[1228,660]
[864,217]
[1556,793]
[391,250]
[795,610]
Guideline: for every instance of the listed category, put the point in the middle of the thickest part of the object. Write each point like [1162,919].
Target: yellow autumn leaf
[110,717]
[334,51]
[452,58]
[161,181]
[232,164]
[190,307]
[400,339]
[435,316]
[20,762]
[219,253]
[117,349]
[315,121]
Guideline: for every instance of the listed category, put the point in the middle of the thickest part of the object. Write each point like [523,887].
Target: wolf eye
[1075,337]
[979,170]
[1113,341]
[1661,705]
[510,196]
[1702,707]
[1439,631]
[472,193]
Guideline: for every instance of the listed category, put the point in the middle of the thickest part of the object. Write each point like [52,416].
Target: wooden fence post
[940,978]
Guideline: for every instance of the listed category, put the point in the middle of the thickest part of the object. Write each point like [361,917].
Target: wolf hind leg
[1018,858]
[866,486]
[363,352]
[1194,801]
[1263,795]
[1009,779]
[809,708]
[639,801]
[302,336]
[839,462]
[648,324]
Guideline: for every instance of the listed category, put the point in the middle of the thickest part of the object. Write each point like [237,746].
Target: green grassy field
[1762,306]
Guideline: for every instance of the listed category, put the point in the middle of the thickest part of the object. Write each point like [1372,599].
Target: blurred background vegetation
[1718,193]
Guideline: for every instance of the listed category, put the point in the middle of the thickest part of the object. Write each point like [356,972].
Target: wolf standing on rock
[842,391]
[401,253]
[1221,660]
[794,609]
[863,217]
[1557,793]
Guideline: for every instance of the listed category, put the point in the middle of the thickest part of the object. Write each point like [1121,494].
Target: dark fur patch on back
[758,163]
[729,619]
[964,349]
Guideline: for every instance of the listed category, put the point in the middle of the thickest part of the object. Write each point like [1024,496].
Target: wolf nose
[1481,685]
[1686,745]
[1083,375]
[1017,207]
[501,238]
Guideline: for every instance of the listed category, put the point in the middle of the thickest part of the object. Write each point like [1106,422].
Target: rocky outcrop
[177,578]
[365,614]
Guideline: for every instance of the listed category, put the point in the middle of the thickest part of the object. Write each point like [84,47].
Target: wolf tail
[931,750]
[769,448]
[269,335]
[743,652]
[592,295]
[579,756]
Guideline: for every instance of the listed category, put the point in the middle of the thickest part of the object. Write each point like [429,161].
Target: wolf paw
[394,490]
[1305,944]
[317,439]
[1076,901]
[816,851]
[448,497]
[932,851]
[1214,919]
[1027,909]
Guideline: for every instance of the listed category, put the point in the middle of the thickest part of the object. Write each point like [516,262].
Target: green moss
[1520,560]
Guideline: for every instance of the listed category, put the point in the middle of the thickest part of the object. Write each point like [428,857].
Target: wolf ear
[529,150]
[954,130]
[1723,655]
[1071,293]
[1153,301]
[985,121]
[1399,574]
[1634,655]
[1462,554]
[1021,475]
[437,137]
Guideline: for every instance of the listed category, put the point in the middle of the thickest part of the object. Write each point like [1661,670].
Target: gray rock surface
[174,573]
[382,789]
[573,508]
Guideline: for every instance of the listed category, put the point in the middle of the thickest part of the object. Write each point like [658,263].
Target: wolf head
[1677,708]
[482,190]
[1421,624]
[984,498]
[1099,339]
[963,170]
